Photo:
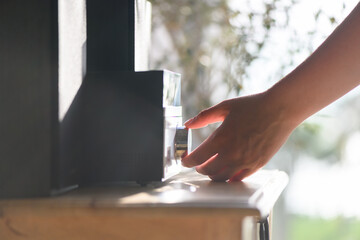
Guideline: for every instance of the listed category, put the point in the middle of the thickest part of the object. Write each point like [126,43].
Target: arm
[255,127]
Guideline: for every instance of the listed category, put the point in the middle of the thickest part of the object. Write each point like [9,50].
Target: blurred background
[230,48]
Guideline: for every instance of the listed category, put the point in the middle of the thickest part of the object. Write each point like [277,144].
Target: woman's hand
[255,127]
[252,131]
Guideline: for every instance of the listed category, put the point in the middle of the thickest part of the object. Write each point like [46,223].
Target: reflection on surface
[193,189]
[256,193]
[172,89]
[172,119]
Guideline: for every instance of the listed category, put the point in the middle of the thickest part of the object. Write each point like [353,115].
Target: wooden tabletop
[187,206]
[257,193]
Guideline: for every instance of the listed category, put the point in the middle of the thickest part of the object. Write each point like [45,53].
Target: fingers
[217,166]
[201,154]
[212,166]
[218,170]
[232,174]
[214,114]
[208,148]
[242,174]
[224,175]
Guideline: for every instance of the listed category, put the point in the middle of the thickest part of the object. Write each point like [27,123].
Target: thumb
[213,114]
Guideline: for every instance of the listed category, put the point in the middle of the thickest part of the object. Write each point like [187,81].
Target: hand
[255,127]
[252,131]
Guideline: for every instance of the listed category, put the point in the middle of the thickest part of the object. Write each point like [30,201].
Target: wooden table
[187,206]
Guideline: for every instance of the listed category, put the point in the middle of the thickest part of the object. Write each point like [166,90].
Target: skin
[255,127]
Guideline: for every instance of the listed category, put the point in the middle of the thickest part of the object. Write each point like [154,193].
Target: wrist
[283,107]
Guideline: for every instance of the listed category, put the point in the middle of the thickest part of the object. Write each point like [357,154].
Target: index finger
[201,154]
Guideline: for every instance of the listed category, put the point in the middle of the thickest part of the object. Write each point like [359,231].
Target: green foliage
[313,139]
[215,43]
[307,138]
[307,228]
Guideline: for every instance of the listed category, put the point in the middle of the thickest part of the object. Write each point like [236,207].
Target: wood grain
[114,223]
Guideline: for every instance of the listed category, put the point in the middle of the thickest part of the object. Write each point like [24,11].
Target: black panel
[113,131]
[110,35]
[28,96]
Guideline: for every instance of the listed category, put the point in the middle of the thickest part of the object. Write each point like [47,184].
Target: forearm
[329,73]
[254,127]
